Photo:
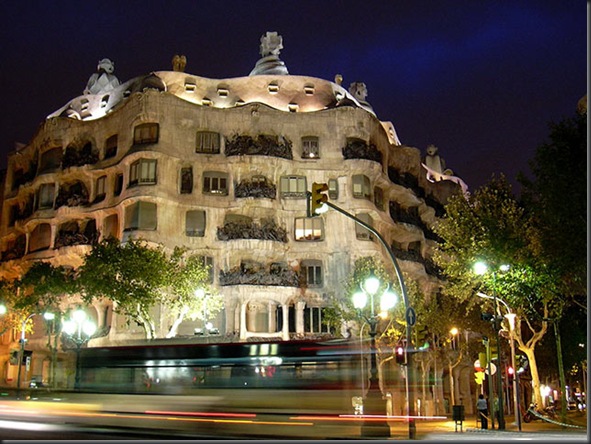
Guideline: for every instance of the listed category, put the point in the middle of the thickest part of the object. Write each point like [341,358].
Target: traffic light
[510,374]
[399,352]
[318,198]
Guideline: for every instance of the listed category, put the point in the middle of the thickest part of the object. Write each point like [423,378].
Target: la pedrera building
[179,159]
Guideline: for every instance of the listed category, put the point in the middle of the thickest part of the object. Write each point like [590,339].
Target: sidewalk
[448,430]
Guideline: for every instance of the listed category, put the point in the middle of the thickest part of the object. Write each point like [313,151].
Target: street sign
[493,369]
[411,316]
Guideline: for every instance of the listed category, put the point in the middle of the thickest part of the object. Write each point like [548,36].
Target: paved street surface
[537,430]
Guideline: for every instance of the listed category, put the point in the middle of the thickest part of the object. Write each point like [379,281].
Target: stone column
[300,305]
[285,329]
[242,321]
[271,317]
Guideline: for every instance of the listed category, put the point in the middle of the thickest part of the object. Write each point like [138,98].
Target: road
[130,419]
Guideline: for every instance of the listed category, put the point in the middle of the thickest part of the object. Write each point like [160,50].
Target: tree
[45,288]
[137,276]
[190,294]
[131,274]
[12,319]
[556,197]
[491,225]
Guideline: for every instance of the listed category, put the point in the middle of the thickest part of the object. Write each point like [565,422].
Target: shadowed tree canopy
[557,200]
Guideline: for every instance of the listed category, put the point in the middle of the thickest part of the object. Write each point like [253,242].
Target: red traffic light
[399,352]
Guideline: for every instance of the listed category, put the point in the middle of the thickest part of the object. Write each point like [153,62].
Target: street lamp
[374,401]
[21,354]
[481,268]
[511,318]
[80,330]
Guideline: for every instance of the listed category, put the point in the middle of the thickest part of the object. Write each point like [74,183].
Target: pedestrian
[482,408]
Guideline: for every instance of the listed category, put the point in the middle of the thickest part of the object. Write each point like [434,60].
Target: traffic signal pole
[410,314]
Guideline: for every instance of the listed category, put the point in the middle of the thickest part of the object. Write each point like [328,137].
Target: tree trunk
[178,321]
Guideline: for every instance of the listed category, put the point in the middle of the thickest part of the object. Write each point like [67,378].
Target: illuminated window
[206,101]
[309,229]
[333,188]
[195,223]
[208,142]
[310,148]
[309,89]
[215,182]
[140,216]
[146,133]
[273,87]
[111,147]
[293,186]
[361,232]
[190,85]
[46,196]
[311,273]
[293,107]
[142,172]
[223,91]
[361,186]
[186,180]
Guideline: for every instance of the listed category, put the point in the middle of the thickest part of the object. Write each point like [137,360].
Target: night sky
[481,80]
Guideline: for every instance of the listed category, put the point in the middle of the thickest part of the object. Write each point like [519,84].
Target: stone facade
[176,159]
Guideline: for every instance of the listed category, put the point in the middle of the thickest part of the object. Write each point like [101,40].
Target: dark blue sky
[479,79]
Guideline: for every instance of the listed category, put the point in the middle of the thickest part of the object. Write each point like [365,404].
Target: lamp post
[21,354]
[511,318]
[481,268]
[79,330]
[374,402]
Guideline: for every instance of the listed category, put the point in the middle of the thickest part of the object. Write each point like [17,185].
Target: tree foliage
[131,274]
[557,200]
[492,226]
[137,276]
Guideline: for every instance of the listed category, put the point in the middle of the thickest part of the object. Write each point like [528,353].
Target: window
[309,229]
[111,226]
[186,180]
[40,238]
[195,223]
[310,148]
[378,198]
[333,188]
[208,142]
[140,216]
[361,186]
[146,133]
[51,160]
[118,185]
[293,186]
[362,232]
[207,261]
[100,189]
[313,321]
[142,172]
[312,273]
[215,182]
[45,196]
[111,147]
